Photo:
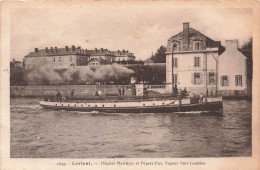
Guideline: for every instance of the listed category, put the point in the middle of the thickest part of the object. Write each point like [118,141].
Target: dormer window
[197,45]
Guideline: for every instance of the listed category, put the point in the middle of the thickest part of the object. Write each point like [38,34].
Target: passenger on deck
[99,93]
[58,96]
[72,93]
[201,98]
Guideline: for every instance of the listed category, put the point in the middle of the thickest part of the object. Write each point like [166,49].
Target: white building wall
[185,71]
[231,63]
[53,61]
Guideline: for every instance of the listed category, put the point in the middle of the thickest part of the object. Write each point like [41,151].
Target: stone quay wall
[80,91]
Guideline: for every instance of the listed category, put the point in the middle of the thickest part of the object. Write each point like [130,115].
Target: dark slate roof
[60,51]
[192,32]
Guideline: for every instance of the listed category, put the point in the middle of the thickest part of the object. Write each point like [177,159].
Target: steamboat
[163,105]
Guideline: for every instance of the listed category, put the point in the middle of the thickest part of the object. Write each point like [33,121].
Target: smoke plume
[78,74]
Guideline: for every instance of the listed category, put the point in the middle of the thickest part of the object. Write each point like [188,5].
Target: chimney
[79,47]
[67,48]
[232,43]
[186,36]
[36,50]
[102,49]
[96,49]
[73,47]
[86,50]
[56,49]
[51,49]
[123,50]
[46,49]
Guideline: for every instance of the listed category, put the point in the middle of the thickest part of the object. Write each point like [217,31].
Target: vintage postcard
[130,85]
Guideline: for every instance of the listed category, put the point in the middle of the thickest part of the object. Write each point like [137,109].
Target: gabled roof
[192,32]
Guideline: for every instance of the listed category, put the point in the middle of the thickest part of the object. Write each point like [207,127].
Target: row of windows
[60,59]
[211,79]
[197,45]
[196,62]
[225,80]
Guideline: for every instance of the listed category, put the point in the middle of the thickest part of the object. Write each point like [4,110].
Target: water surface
[40,133]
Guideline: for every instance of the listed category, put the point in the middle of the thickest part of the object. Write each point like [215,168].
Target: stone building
[191,62]
[60,58]
[56,57]
[232,70]
[102,55]
[124,55]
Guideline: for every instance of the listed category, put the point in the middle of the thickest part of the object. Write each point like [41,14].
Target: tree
[160,56]
[246,49]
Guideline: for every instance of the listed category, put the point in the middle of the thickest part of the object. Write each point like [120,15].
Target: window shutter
[227,80]
[201,78]
[176,62]
[236,80]
[192,78]
[207,78]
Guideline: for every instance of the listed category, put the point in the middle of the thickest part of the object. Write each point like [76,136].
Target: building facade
[124,55]
[60,58]
[56,57]
[232,70]
[191,62]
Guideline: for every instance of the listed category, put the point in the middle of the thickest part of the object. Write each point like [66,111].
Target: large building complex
[191,62]
[75,56]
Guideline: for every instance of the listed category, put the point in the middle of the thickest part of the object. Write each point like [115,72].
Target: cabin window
[211,78]
[196,61]
[224,81]
[238,80]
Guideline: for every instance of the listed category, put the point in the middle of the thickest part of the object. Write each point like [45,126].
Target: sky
[137,28]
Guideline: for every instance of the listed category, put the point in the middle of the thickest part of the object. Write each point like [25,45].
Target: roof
[59,51]
[100,61]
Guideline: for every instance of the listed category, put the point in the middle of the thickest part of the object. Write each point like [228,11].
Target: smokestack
[51,49]
[186,33]
[56,49]
[46,49]
[73,48]
[36,50]
[67,48]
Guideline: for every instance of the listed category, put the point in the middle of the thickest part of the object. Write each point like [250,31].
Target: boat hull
[138,107]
